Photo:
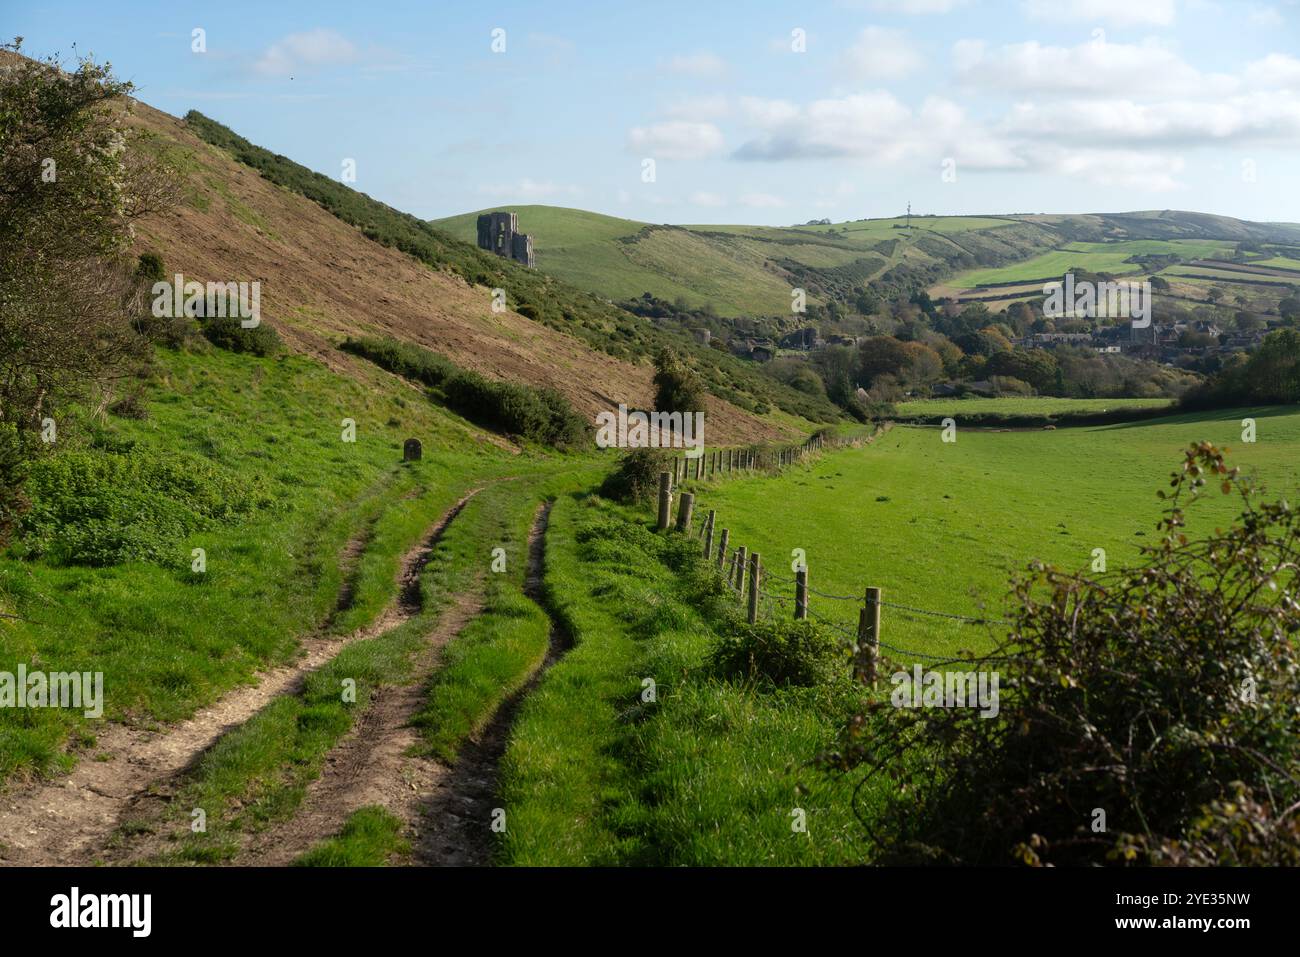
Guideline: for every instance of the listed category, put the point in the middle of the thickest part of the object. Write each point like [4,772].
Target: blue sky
[958,106]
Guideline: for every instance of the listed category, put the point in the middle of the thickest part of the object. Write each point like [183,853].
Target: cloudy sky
[756,112]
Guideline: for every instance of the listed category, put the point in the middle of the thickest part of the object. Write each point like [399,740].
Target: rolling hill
[750,270]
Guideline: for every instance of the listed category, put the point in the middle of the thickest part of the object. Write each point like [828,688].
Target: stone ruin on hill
[499,233]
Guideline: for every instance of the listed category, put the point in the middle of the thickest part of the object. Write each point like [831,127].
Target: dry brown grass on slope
[323,280]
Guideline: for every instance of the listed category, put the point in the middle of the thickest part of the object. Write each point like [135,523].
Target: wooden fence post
[801,593]
[868,638]
[731,568]
[722,547]
[708,534]
[665,499]
[755,576]
[699,467]
[740,570]
[684,509]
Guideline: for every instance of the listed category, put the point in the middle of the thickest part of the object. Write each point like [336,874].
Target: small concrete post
[801,594]
[665,500]
[684,508]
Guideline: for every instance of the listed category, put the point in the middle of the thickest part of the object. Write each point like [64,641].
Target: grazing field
[1279,262]
[1044,405]
[1095,257]
[941,526]
[1047,266]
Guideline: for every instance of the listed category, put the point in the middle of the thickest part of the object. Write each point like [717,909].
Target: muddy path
[453,828]
[66,820]
[371,765]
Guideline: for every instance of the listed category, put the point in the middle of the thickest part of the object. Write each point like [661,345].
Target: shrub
[103,508]
[677,387]
[149,267]
[1164,695]
[636,477]
[780,652]
[228,332]
[539,414]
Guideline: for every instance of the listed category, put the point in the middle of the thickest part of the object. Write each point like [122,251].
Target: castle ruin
[499,233]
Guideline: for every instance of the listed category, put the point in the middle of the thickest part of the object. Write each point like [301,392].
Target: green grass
[169,640]
[709,773]
[1047,405]
[1283,263]
[258,773]
[370,838]
[942,526]
[503,645]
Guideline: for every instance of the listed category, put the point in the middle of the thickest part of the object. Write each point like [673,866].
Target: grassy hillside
[102,578]
[542,308]
[750,270]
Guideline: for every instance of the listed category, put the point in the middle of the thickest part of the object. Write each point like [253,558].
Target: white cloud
[1096,67]
[704,198]
[1264,117]
[1116,168]
[873,126]
[701,64]
[880,53]
[1274,70]
[299,51]
[761,201]
[676,139]
[1160,13]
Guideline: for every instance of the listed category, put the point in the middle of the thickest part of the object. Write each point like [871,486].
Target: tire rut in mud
[131,772]
[454,830]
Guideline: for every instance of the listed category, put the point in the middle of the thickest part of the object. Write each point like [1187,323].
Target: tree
[1036,366]
[72,179]
[880,355]
[677,387]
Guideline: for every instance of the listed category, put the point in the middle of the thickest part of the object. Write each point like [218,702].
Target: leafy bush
[103,508]
[780,652]
[677,387]
[636,477]
[1165,696]
[228,332]
[542,415]
[149,267]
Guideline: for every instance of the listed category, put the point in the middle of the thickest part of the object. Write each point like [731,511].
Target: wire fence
[744,572]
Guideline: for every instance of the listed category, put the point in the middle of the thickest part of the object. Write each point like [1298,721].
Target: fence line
[744,573]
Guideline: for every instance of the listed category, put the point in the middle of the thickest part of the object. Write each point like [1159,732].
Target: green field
[1045,405]
[1278,262]
[941,526]
[1094,257]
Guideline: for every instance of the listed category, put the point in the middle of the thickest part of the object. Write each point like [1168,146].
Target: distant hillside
[750,270]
